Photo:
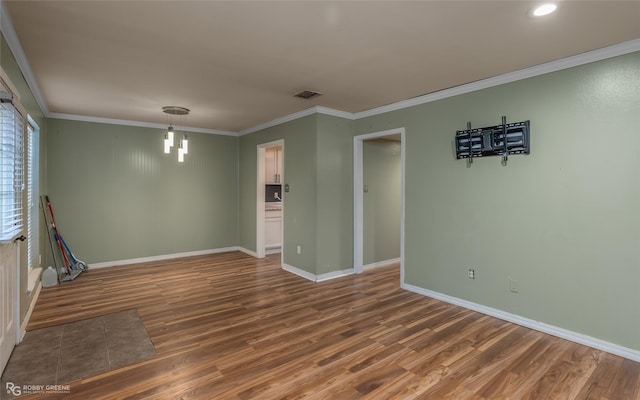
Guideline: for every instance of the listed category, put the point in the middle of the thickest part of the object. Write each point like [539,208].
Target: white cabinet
[273,165]
[273,229]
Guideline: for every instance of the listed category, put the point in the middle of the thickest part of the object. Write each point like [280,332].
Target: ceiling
[236,64]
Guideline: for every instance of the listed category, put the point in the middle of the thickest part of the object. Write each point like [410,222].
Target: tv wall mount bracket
[499,140]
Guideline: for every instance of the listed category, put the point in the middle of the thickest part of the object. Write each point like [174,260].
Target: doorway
[270,199]
[359,190]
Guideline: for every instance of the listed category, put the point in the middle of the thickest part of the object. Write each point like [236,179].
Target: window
[33,219]
[11,167]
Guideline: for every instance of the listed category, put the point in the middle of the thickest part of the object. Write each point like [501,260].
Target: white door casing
[358,197]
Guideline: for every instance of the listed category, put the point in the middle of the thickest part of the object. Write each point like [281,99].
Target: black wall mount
[499,140]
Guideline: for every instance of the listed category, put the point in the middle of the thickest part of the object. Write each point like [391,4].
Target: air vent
[307,94]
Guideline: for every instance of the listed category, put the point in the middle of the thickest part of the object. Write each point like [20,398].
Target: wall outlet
[471,274]
[299,249]
[513,285]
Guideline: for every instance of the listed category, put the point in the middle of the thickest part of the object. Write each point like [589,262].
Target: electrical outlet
[299,249]
[513,285]
[472,273]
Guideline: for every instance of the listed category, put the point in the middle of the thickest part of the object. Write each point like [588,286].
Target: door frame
[358,196]
[260,203]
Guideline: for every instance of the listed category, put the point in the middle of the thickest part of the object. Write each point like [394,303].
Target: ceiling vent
[307,94]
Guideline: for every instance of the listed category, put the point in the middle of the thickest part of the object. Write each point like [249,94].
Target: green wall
[382,173]
[299,217]
[318,210]
[117,196]
[335,194]
[562,221]
[10,66]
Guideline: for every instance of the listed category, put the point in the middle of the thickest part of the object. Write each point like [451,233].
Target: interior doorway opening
[362,260]
[270,199]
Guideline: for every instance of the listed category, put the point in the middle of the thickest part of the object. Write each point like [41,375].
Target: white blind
[32,197]
[11,169]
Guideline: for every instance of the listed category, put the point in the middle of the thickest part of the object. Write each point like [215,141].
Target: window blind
[11,168]
[32,197]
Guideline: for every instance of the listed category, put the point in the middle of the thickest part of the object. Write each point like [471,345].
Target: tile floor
[61,354]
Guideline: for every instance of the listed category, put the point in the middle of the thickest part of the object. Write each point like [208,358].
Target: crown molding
[10,35]
[73,117]
[335,113]
[297,115]
[553,66]
[6,26]
[278,121]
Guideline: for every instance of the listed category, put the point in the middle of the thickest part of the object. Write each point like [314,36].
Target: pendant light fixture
[183,146]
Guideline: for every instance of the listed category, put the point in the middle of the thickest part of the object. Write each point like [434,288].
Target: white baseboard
[580,338]
[317,278]
[299,272]
[27,317]
[247,251]
[273,251]
[334,274]
[383,263]
[163,257]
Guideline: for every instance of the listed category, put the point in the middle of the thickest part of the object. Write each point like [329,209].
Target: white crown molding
[335,113]
[575,337]
[10,35]
[553,66]
[99,120]
[278,121]
[6,26]
[297,115]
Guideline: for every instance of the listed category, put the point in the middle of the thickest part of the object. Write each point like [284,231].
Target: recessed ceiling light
[544,9]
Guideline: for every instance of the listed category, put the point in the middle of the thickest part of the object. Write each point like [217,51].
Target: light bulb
[180,155]
[170,135]
[167,145]
[185,145]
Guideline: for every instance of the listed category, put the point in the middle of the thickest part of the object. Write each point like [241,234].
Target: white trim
[27,317]
[358,196]
[580,338]
[569,62]
[112,121]
[278,121]
[300,272]
[334,274]
[247,252]
[553,66]
[335,113]
[297,115]
[9,32]
[317,278]
[33,277]
[261,151]
[163,257]
[260,198]
[379,264]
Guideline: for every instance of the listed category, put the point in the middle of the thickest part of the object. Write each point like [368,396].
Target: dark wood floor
[229,326]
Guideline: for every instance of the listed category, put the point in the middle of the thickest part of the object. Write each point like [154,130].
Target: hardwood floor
[228,326]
